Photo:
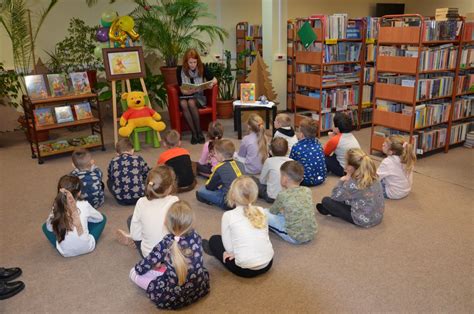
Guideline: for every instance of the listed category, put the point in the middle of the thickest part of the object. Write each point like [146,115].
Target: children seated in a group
[90,176]
[254,147]
[396,171]
[218,184]
[292,214]
[181,278]
[269,185]
[284,129]
[127,174]
[208,159]
[340,140]
[146,225]
[357,197]
[73,226]
[309,153]
[244,246]
[179,159]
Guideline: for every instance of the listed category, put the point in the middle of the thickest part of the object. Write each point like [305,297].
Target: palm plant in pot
[227,83]
[171,27]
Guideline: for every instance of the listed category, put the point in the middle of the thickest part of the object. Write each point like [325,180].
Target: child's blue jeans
[215,197]
[277,224]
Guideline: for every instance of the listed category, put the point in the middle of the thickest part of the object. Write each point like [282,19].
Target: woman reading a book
[192,76]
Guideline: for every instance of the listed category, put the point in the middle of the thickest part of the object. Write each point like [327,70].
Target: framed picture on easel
[123,63]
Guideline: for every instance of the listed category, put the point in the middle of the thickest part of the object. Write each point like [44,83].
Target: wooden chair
[206,115]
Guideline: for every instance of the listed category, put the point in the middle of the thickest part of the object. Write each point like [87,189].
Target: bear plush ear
[124,95]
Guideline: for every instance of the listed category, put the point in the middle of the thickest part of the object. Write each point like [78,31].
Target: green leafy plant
[171,27]
[10,87]
[76,51]
[225,78]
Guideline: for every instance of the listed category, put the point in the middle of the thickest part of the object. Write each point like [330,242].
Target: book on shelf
[404,80]
[254,30]
[353,29]
[431,139]
[391,106]
[306,34]
[370,51]
[339,99]
[36,87]
[430,114]
[247,92]
[459,132]
[342,52]
[469,143]
[463,107]
[63,114]
[336,26]
[83,110]
[372,27]
[43,116]
[391,51]
[80,83]
[465,83]
[367,94]
[434,87]
[196,87]
[444,14]
[438,58]
[58,85]
[369,74]
[467,57]
[441,30]
[327,121]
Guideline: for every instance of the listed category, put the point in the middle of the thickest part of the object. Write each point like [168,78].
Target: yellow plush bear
[138,114]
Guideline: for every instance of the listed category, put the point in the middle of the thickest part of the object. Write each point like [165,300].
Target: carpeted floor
[420,259]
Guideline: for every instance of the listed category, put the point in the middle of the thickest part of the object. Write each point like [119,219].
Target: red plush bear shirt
[140,113]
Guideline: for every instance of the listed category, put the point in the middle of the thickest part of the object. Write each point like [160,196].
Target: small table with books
[252,106]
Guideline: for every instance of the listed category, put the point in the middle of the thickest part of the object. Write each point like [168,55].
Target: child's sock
[321,209]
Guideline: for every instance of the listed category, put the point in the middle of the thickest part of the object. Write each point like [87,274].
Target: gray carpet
[420,259]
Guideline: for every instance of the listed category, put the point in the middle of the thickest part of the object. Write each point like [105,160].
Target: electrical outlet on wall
[218,57]
[280,57]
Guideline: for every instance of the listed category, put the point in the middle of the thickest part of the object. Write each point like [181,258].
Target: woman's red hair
[192,54]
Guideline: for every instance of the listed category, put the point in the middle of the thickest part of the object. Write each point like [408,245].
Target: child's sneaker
[124,238]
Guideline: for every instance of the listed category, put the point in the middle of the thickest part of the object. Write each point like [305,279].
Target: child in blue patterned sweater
[127,174]
[90,176]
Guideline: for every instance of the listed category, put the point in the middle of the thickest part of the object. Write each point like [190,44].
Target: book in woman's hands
[196,87]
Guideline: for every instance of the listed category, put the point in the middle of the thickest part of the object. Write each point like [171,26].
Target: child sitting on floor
[218,184]
[357,197]
[284,129]
[396,171]
[208,159]
[292,215]
[269,185]
[73,226]
[309,153]
[244,247]
[182,278]
[90,176]
[254,146]
[127,174]
[146,225]
[340,140]
[179,159]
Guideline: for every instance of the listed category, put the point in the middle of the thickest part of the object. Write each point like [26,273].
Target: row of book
[252,30]
[444,14]
[372,30]
[336,26]
[441,30]
[438,58]
[338,99]
[59,85]
[65,144]
[403,51]
[342,52]
[365,116]
[369,74]
[459,132]
[467,57]
[62,114]
[336,78]
[434,87]
[430,114]
[370,52]
[465,83]
[367,94]
[463,107]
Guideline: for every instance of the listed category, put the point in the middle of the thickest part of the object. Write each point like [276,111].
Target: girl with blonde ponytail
[176,261]
[358,196]
[244,247]
[396,171]
[253,150]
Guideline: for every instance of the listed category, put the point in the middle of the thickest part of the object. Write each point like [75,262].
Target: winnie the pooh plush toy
[138,114]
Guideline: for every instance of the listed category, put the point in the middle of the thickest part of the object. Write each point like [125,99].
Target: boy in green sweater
[292,214]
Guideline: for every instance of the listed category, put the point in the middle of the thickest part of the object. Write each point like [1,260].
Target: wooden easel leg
[114,109]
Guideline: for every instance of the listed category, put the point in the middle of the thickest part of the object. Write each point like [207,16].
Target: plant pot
[169,75]
[225,109]
[92,76]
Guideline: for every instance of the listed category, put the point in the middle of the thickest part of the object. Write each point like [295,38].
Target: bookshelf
[328,73]
[248,44]
[291,65]
[416,75]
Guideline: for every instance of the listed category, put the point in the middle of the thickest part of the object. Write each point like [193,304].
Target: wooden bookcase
[95,123]
[313,81]
[291,69]
[248,44]
[403,36]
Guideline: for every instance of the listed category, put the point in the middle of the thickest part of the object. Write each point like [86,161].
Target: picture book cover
[35,86]
[83,110]
[80,82]
[247,92]
[196,87]
[63,114]
[43,116]
[58,84]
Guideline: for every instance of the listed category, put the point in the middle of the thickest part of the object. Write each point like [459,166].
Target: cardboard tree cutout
[261,77]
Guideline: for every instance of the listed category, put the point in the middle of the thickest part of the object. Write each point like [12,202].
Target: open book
[197,87]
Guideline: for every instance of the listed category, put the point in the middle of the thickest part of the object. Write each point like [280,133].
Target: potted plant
[227,83]
[75,53]
[171,27]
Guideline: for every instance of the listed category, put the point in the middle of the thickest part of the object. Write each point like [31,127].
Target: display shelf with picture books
[62,146]
[416,80]
[328,76]
[57,86]
[62,112]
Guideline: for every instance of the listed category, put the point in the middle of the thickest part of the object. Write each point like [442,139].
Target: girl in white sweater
[73,226]
[396,171]
[244,247]
[147,224]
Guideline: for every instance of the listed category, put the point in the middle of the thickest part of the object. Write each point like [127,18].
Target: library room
[150,150]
